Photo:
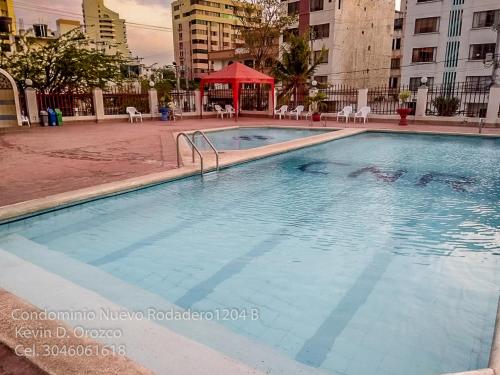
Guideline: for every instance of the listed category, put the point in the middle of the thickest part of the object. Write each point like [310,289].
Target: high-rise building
[397,46]
[65,26]
[201,27]
[448,41]
[7,25]
[105,27]
[357,35]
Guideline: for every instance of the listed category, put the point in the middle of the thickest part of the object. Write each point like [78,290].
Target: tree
[262,23]
[164,80]
[68,63]
[296,66]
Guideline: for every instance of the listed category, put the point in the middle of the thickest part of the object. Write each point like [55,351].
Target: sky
[152,45]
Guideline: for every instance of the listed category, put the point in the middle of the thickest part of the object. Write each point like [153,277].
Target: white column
[153,102]
[271,100]
[421,101]
[198,106]
[493,105]
[32,105]
[362,98]
[98,104]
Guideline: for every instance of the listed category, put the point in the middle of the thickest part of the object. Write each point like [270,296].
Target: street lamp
[423,81]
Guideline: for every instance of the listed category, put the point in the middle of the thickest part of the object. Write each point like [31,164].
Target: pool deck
[43,168]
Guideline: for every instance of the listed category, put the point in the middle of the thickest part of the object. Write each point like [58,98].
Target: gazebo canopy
[236,74]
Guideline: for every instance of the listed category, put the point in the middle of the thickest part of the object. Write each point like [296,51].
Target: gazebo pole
[236,89]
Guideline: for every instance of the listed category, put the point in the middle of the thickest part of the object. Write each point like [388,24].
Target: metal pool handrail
[193,149]
[210,144]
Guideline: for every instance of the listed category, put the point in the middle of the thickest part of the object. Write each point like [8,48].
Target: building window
[288,32]
[479,51]
[424,55]
[324,59]
[293,8]
[320,31]
[395,63]
[398,24]
[478,83]
[396,44]
[426,25]
[200,51]
[415,82]
[393,82]
[322,80]
[316,5]
[483,19]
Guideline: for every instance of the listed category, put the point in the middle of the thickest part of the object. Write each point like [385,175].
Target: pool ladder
[191,143]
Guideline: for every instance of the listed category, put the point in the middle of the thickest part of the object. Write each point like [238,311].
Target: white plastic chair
[281,111]
[25,121]
[133,113]
[362,113]
[230,110]
[346,112]
[296,112]
[220,111]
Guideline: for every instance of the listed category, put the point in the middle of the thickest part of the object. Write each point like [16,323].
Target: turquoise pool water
[246,138]
[373,254]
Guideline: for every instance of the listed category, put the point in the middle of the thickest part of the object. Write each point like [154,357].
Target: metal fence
[217,96]
[338,97]
[254,99]
[291,99]
[458,99]
[384,100]
[185,100]
[117,99]
[70,104]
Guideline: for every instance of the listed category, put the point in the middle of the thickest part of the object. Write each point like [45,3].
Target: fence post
[362,98]
[31,105]
[198,105]
[493,105]
[271,103]
[98,104]
[153,102]
[421,101]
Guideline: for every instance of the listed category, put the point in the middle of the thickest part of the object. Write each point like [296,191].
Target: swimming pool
[377,253]
[246,138]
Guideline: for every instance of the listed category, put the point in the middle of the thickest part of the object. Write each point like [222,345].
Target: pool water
[246,138]
[373,254]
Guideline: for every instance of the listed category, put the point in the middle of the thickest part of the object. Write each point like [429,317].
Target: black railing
[458,99]
[254,99]
[384,100]
[184,100]
[292,98]
[118,98]
[216,96]
[70,104]
[338,97]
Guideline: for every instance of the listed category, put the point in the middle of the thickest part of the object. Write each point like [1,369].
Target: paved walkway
[45,161]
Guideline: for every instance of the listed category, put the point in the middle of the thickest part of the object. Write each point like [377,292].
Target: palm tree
[296,66]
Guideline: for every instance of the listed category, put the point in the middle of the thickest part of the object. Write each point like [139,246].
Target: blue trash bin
[164,113]
[52,117]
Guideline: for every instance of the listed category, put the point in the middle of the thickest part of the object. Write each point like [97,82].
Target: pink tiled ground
[45,161]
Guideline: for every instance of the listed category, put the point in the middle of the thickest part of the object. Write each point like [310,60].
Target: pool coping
[22,210]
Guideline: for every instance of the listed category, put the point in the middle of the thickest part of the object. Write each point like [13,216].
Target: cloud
[152,45]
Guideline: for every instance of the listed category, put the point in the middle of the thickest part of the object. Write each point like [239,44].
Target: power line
[62,12]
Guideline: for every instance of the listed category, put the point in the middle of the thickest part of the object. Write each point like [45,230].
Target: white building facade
[447,41]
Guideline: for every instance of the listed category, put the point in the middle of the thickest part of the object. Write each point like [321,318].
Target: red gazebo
[236,74]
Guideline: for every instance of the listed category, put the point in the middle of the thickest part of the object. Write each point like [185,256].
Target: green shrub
[446,105]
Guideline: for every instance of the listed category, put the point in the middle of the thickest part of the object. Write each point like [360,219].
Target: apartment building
[65,26]
[105,27]
[202,27]
[7,25]
[357,35]
[397,46]
[447,41]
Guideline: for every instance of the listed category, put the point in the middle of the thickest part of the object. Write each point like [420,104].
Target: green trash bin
[59,117]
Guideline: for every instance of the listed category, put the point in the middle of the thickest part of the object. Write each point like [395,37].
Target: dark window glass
[422,55]
[479,51]
[426,25]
